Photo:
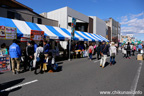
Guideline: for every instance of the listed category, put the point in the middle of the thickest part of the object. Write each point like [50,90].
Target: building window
[13,15]
[39,21]
[32,19]
[10,14]
[17,16]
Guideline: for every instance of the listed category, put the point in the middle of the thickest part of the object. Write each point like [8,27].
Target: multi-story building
[99,26]
[114,30]
[15,10]
[64,17]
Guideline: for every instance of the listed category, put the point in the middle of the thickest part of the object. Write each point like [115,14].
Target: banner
[5,64]
[73,25]
[37,35]
[8,32]
[24,39]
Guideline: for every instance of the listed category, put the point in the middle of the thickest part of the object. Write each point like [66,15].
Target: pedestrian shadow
[6,85]
[59,69]
[106,64]
[1,73]
[94,58]
[59,63]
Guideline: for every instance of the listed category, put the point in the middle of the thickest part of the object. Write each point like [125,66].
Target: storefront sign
[37,35]
[8,32]
[5,64]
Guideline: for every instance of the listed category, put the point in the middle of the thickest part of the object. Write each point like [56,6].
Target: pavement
[78,77]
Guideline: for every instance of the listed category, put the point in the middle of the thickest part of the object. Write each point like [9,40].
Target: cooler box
[139,57]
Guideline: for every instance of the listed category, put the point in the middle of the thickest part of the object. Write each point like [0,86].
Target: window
[17,16]
[13,15]
[39,21]
[10,14]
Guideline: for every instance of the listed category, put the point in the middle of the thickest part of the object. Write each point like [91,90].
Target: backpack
[90,50]
[128,47]
[41,55]
[134,48]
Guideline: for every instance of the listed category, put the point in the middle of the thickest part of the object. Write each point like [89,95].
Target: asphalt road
[79,77]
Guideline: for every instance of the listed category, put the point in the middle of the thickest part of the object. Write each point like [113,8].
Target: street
[79,77]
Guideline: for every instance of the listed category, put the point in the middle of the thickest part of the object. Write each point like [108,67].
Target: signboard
[37,35]
[8,32]
[73,25]
[5,64]
[2,32]
[24,39]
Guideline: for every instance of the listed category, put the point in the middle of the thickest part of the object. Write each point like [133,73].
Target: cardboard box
[139,57]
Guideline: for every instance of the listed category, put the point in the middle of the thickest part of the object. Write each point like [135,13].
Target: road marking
[8,89]
[135,81]
[99,60]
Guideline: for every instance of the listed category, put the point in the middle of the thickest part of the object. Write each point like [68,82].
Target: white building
[90,24]
[64,17]
[99,26]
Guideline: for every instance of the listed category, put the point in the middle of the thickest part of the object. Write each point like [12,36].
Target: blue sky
[130,13]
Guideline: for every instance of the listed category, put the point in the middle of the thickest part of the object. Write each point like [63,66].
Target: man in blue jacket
[15,54]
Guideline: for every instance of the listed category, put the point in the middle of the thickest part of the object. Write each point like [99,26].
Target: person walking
[103,53]
[112,51]
[98,51]
[133,50]
[39,57]
[139,48]
[128,49]
[124,50]
[90,51]
[15,54]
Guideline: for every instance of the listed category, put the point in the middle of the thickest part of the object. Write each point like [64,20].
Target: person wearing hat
[112,51]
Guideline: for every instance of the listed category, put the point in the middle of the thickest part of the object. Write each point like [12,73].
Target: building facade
[15,10]
[113,30]
[64,17]
[99,26]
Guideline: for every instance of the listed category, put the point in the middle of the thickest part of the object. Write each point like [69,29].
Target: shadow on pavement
[59,69]
[59,63]
[9,84]
[106,64]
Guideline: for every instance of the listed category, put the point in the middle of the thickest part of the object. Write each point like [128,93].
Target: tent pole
[69,49]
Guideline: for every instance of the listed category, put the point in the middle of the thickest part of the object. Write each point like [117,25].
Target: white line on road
[135,82]
[99,60]
[8,89]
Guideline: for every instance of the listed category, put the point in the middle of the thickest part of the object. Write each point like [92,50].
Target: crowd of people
[33,57]
[39,57]
[104,49]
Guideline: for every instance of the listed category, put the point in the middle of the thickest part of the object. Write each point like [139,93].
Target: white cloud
[137,15]
[133,23]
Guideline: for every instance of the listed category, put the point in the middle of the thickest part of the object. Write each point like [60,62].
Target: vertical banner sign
[73,25]
[37,35]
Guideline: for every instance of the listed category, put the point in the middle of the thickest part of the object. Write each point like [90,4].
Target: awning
[103,38]
[24,30]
